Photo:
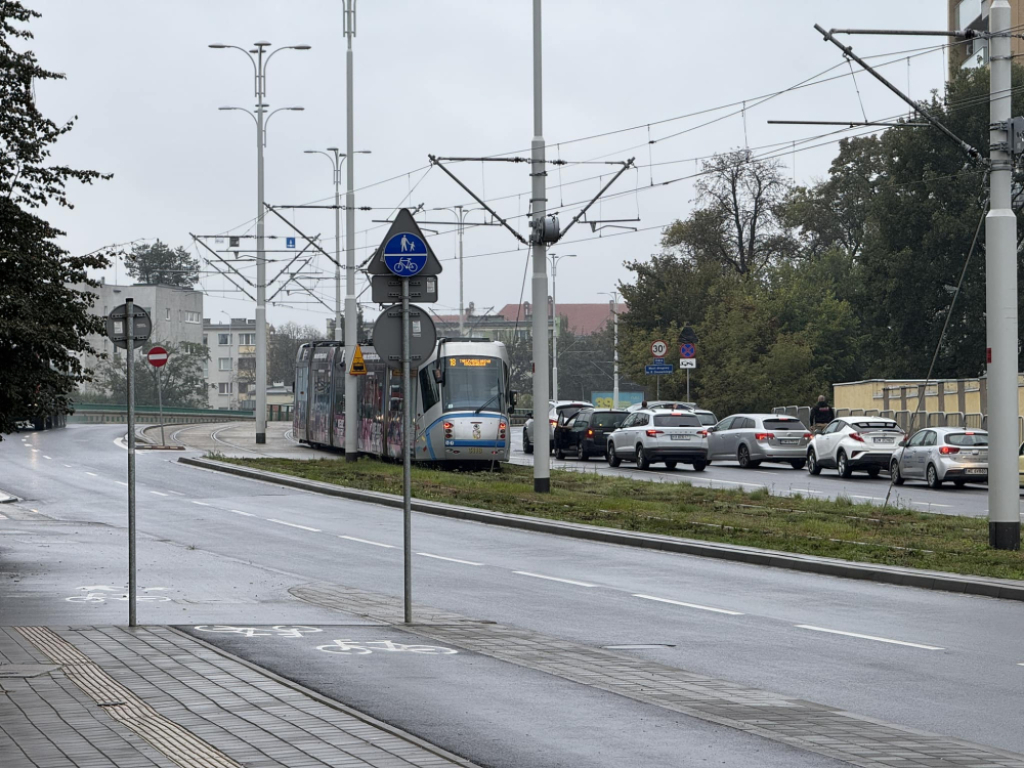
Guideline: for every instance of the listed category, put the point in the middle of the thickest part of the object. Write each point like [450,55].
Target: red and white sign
[157,357]
[659,348]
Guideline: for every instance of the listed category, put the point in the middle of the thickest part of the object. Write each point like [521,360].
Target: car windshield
[707,419]
[782,425]
[967,438]
[676,420]
[472,382]
[876,426]
[565,412]
[608,419]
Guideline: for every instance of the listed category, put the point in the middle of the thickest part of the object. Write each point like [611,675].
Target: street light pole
[351,311]
[554,320]
[260,69]
[461,214]
[614,305]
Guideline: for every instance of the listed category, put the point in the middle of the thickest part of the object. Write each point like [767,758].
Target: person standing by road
[821,414]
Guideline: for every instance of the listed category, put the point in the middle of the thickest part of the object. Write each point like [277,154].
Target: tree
[284,343]
[44,301]
[182,379]
[158,264]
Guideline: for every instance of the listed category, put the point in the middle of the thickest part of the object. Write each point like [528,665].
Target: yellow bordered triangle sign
[358,364]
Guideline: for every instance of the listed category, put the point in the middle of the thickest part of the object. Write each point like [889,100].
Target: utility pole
[554,320]
[351,310]
[538,201]
[614,304]
[1001,296]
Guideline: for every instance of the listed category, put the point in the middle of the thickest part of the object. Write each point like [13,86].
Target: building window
[191,317]
[206,339]
[167,312]
[247,338]
[243,387]
[225,388]
[224,364]
[247,364]
[224,339]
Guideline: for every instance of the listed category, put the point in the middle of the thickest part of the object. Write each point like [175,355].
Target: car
[938,454]
[854,444]
[650,436]
[750,438]
[707,418]
[586,434]
[559,411]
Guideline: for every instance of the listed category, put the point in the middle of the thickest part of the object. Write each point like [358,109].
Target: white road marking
[294,525]
[47,457]
[367,541]
[121,482]
[554,578]
[68,466]
[449,559]
[931,504]
[177,493]
[157,493]
[690,605]
[35,450]
[872,498]
[202,504]
[240,512]
[92,473]
[868,637]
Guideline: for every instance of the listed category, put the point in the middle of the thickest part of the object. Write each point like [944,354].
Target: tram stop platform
[235,440]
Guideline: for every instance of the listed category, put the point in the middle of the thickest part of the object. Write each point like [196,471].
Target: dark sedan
[586,434]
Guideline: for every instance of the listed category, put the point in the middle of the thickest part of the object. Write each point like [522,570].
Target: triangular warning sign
[358,364]
[404,223]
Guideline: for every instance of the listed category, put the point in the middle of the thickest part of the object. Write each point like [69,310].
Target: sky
[667,82]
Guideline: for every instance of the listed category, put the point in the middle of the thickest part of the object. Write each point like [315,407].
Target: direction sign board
[659,348]
[117,325]
[157,357]
[687,350]
[658,370]
[387,334]
[687,362]
[387,289]
[404,251]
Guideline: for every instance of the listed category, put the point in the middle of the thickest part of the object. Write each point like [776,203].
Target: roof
[580,319]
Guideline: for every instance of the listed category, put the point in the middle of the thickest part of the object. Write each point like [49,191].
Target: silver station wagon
[750,438]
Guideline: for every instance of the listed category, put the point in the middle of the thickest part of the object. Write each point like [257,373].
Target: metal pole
[337,249]
[160,402]
[351,311]
[261,265]
[538,200]
[462,311]
[554,329]
[615,382]
[1001,298]
[129,306]
[687,385]
[406,460]
[657,387]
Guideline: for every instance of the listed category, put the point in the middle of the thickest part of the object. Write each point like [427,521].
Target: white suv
[650,436]
[855,443]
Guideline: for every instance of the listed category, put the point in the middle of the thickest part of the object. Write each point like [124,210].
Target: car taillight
[948,449]
[590,433]
[808,435]
[703,433]
[448,427]
[653,432]
[762,436]
[552,422]
[855,436]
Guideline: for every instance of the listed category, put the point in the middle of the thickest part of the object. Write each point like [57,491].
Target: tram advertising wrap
[461,402]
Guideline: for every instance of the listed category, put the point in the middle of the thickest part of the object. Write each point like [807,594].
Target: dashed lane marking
[294,525]
[47,457]
[177,493]
[554,578]
[157,493]
[245,514]
[202,503]
[449,559]
[690,605]
[868,637]
[92,474]
[367,541]
[68,466]
[121,482]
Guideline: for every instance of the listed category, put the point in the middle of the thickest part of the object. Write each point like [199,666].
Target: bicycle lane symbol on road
[347,647]
[101,593]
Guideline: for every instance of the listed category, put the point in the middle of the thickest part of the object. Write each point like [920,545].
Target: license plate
[888,440]
[680,437]
[789,442]
[977,471]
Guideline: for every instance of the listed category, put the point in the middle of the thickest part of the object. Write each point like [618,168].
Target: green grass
[840,528]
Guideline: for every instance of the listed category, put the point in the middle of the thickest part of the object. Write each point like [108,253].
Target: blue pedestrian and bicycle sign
[405,254]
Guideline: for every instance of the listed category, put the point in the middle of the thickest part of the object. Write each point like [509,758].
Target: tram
[460,399]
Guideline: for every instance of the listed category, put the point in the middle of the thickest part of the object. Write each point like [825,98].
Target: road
[226,551]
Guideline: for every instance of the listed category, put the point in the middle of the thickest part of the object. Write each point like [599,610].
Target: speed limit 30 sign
[659,348]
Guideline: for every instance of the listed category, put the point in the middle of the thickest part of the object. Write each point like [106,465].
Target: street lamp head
[364,151]
[310,152]
[294,109]
[261,43]
[217,45]
[302,47]
[332,149]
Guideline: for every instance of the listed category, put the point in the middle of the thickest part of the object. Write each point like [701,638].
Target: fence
[909,421]
[100,413]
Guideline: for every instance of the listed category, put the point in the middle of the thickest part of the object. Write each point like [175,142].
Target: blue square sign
[289,242]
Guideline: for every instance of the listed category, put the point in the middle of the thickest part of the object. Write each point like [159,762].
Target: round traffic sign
[117,325]
[157,357]
[405,254]
[687,351]
[659,348]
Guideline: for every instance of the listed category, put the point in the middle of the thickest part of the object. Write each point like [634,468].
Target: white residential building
[231,369]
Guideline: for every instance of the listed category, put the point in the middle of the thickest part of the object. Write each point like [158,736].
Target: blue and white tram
[461,402]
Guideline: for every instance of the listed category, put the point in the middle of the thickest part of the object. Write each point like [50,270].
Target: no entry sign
[157,357]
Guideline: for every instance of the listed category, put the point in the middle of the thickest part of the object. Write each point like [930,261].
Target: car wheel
[743,457]
[670,465]
[843,465]
[581,452]
[894,472]
[813,468]
[700,466]
[798,463]
[642,462]
[873,472]
[559,453]
[527,445]
[613,458]
[933,477]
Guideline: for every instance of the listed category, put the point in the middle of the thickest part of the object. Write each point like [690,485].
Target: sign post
[158,359]
[688,360]
[127,324]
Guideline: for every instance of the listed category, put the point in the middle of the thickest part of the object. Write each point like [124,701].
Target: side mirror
[513,397]
[903,441]
[439,375]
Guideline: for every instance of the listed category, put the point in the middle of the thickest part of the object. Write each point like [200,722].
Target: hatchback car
[854,444]
[750,438]
[586,434]
[651,436]
[938,454]
[560,412]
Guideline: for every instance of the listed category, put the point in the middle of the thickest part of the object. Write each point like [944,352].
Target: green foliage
[283,345]
[182,378]
[158,264]
[44,301]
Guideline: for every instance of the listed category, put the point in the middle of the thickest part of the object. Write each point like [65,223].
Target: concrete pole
[261,264]
[1001,298]
[351,310]
[615,323]
[462,311]
[337,249]
[541,432]
[129,306]
[554,329]
[406,457]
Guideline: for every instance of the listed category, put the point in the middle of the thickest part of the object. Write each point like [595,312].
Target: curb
[1005,589]
[6,498]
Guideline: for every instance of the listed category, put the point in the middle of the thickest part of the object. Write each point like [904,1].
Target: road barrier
[909,421]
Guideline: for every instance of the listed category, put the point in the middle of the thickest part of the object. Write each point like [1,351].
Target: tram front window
[474,382]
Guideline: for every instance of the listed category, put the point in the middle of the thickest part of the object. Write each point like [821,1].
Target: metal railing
[909,421]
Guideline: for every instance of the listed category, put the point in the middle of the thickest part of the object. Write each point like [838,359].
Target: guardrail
[909,421]
[98,413]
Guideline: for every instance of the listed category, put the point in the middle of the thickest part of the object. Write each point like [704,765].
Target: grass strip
[829,528]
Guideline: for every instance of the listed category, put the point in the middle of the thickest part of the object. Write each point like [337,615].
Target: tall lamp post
[337,159]
[553,258]
[259,65]
[461,213]
[614,305]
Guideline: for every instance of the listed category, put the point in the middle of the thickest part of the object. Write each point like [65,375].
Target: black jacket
[822,413]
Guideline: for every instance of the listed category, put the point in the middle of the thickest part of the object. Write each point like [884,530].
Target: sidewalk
[150,696]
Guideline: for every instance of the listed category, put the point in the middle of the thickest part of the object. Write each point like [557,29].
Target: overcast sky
[452,78]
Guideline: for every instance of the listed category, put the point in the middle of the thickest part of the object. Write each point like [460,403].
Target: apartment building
[973,15]
[231,369]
